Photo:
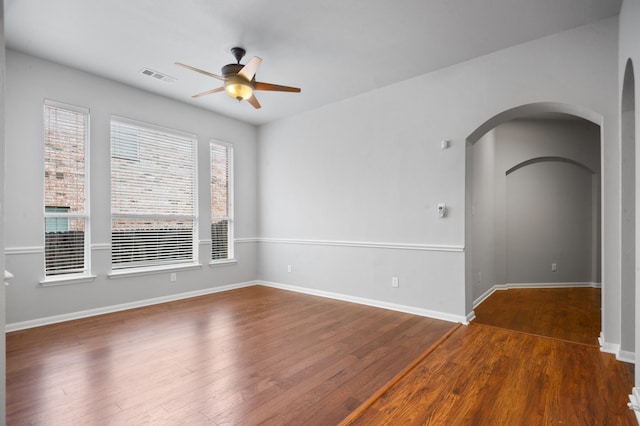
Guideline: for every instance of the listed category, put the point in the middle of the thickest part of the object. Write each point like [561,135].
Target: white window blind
[221,201]
[66,133]
[153,190]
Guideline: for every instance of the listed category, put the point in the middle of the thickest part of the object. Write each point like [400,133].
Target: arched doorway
[483,232]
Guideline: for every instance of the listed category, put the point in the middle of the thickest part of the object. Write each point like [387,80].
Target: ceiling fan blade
[207,73]
[274,87]
[209,92]
[249,70]
[254,102]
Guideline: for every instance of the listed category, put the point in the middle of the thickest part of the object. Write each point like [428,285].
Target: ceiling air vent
[157,75]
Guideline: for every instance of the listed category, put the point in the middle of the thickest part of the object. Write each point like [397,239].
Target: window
[153,196]
[66,236]
[221,201]
[56,224]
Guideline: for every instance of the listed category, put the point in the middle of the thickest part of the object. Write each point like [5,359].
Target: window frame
[230,203]
[128,269]
[85,272]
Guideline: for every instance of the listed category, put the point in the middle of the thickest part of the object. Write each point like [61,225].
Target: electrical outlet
[173,277]
[554,267]
[395,282]
[288,268]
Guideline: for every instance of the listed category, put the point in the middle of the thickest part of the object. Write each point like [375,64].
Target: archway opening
[533,203]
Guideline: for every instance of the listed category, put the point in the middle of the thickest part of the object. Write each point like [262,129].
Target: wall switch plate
[395,282]
[173,277]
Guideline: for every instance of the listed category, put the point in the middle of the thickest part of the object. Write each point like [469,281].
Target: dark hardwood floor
[250,356]
[264,356]
[571,314]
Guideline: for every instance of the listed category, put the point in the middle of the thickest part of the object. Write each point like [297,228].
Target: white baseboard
[470,317]
[122,307]
[548,285]
[634,402]
[626,356]
[609,348]
[370,302]
[484,296]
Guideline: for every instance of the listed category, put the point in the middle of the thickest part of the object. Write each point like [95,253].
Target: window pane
[64,163]
[161,181]
[65,141]
[64,250]
[149,242]
[219,239]
[221,209]
[219,181]
[153,187]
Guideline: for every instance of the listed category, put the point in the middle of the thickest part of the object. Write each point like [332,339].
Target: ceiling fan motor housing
[231,69]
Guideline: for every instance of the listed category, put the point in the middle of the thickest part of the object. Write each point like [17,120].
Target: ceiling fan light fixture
[238,88]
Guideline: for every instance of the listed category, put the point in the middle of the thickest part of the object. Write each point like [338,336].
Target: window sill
[225,262]
[67,280]
[136,272]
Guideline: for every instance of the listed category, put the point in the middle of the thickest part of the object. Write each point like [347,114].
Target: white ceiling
[332,49]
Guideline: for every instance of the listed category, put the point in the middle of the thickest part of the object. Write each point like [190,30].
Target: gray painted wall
[628,48]
[548,212]
[29,82]
[2,205]
[370,170]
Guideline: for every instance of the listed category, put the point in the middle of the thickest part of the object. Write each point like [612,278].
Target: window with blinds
[153,195]
[221,201]
[66,135]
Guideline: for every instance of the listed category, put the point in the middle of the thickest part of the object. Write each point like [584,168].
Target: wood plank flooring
[264,356]
[482,375]
[250,356]
[571,314]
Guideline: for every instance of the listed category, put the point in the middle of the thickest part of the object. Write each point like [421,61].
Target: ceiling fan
[240,80]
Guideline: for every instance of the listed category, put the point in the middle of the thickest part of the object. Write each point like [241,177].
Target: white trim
[224,262]
[366,244]
[609,348]
[470,317]
[547,285]
[235,240]
[484,296]
[66,279]
[634,402]
[40,249]
[370,302]
[122,307]
[24,250]
[161,269]
[626,356]
[247,240]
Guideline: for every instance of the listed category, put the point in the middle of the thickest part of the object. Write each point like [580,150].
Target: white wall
[29,82]
[370,170]
[629,48]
